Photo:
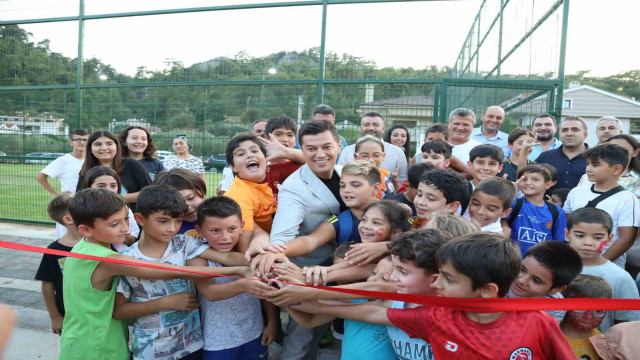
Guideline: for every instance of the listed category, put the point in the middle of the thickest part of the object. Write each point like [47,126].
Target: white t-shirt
[227,178]
[494,227]
[623,207]
[67,169]
[623,287]
[167,334]
[461,152]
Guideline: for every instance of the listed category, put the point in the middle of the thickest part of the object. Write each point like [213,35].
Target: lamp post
[271,71]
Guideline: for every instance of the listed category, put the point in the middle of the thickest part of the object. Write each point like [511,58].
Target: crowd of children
[484,229]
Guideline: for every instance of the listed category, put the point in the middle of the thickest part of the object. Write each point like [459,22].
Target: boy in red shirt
[477,265]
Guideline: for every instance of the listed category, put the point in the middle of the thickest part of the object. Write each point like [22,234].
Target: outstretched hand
[275,150]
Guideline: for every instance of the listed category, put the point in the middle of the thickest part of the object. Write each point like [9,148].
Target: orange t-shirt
[256,202]
[384,174]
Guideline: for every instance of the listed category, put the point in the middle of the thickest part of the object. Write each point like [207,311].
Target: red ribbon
[462,304]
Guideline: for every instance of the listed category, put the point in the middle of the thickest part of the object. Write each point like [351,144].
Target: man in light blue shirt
[489,132]
[545,128]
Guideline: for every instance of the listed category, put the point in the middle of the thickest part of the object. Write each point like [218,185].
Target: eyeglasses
[367,156]
[80,140]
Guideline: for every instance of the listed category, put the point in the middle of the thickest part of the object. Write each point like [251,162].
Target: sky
[416,34]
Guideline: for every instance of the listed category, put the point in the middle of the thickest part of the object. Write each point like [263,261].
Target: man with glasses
[66,168]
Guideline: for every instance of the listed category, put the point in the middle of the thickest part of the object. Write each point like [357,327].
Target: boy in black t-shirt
[51,266]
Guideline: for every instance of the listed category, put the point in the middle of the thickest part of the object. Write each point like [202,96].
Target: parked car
[49,158]
[215,161]
[162,154]
[2,153]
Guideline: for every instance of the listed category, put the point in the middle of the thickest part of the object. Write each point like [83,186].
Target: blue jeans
[251,350]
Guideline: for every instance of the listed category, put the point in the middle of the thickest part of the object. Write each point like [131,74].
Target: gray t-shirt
[623,287]
[192,164]
[231,322]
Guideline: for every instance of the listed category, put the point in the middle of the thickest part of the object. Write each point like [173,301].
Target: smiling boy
[490,202]
[439,190]
[481,265]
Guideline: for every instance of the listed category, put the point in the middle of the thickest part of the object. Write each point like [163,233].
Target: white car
[161,154]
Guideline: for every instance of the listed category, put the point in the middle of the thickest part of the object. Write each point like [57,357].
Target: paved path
[22,293]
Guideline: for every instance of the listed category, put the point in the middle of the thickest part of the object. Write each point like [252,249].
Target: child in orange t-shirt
[370,148]
[250,189]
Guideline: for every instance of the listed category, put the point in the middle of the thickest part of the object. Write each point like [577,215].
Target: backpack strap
[464,204]
[345,223]
[516,210]
[593,203]
[553,209]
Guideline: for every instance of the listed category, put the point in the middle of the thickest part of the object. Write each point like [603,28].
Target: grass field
[21,197]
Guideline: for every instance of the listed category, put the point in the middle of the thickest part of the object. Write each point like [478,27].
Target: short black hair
[373,114]
[89,204]
[218,207]
[419,247]
[239,139]
[79,132]
[590,216]
[499,187]
[439,128]
[553,172]
[415,172]
[393,211]
[588,286]
[612,154]
[323,109]
[437,147]
[280,122]
[561,193]
[315,127]
[484,257]
[487,150]
[516,134]
[161,198]
[559,258]
[452,185]
[536,169]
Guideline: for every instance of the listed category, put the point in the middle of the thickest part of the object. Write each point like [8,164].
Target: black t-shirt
[50,270]
[403,200]
[133,178]
[153,166]
[333,185]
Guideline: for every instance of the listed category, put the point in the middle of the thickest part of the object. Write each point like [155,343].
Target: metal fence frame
[462,75]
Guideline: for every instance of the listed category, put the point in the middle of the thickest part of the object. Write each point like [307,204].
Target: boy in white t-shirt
[66,168]
[605,163]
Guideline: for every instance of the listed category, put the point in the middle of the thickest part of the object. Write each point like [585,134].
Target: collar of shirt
[477,132]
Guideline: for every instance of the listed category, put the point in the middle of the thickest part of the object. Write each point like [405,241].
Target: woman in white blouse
[183,158]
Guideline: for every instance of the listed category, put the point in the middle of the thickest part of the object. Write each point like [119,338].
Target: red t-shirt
[520,335]
[278,173]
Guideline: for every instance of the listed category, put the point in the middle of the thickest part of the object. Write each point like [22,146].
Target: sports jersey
[363,340]
[386,184]
[346,227]
[534,224]
[256,202]
[519,335]
[403,200]
[407,348]
[278,173]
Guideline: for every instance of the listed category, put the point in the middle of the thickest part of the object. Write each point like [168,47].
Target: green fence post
[79,66]
[320,86]
[563,52]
